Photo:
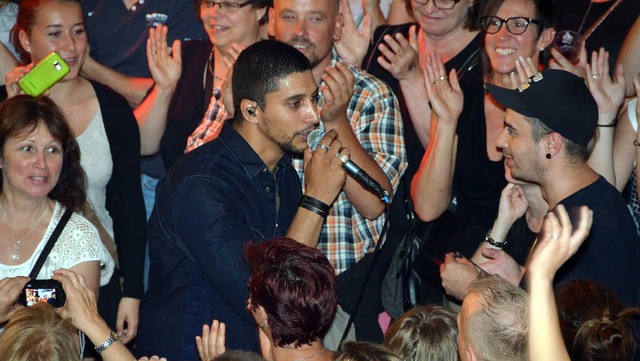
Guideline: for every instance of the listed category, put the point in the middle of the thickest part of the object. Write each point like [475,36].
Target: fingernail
[521,58]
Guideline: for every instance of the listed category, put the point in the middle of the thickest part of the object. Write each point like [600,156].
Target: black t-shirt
[611,253]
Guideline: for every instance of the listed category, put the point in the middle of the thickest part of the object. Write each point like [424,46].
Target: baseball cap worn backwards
[559,99]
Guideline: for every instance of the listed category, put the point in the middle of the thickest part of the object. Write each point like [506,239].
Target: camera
[47,291]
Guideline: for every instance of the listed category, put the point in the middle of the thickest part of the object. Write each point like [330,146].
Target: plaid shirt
[375,119]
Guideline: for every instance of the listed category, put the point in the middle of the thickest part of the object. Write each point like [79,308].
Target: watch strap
[105,345]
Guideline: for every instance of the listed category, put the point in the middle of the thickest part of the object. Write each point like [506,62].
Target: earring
[541,49]
[548,155]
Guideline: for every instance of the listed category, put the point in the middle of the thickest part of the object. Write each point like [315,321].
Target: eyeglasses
[516,25]
[224,5]
[439,4]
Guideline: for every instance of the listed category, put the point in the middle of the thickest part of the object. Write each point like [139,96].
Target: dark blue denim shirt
[212,201]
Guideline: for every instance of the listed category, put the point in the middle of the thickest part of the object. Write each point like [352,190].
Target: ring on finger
[554,237]
[324,147]
[443,77]
[595,76]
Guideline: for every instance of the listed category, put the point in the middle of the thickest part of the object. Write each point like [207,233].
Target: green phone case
[46,73]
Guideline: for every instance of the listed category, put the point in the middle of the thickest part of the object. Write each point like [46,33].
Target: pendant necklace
[18,245]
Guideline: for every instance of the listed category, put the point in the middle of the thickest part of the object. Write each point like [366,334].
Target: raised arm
[353,43]
[166,69]
[400,59]
[131,88]
[628,56]
[609,94]
[431,186]
[557,242]
[378,111]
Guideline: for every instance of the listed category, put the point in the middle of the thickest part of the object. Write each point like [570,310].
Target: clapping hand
[400,56]
[608,92]
[352,45]
[337,90]
[444,93]
[558,241]
[165,68]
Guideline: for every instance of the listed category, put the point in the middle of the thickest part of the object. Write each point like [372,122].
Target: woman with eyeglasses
[462,161]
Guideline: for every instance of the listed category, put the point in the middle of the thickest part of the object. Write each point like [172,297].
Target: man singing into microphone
[240,187]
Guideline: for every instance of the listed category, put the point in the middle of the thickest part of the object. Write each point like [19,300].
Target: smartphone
[47,291]
[44,75]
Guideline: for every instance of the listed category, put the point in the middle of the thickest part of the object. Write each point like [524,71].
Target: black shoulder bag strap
[50,243]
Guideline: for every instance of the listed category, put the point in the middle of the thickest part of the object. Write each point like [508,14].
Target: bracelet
[493,242]
[607,125]
[314,205]
[636,143]
[105,345]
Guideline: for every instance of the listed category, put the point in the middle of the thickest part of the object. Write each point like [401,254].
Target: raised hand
[608,92]
[165,68]
[212,341]
[558,241]
[444,94]
[337,90]
[513,203]
[353,44]
[400,56]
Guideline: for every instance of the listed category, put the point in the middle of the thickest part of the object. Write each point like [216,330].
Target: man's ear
[272,22]
[553,143]
[337,28]
[546,38]
[250,110]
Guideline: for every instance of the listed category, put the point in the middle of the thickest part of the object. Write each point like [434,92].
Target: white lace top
[96,161]
[79,242]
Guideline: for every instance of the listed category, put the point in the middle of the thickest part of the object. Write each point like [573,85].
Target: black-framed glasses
[515,25]
[439,4]
[224,5]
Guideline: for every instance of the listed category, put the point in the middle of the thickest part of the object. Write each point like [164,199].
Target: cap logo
[524,86]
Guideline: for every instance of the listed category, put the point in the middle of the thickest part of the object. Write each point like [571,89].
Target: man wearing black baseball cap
[550,122]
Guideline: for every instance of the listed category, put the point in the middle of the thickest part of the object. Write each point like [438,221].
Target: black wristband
[315,205]
[607,125]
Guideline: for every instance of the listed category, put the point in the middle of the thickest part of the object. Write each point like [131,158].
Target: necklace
[312,356]
[18,245]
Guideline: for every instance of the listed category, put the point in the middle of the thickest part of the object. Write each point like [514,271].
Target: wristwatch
[105,345]
[493,242]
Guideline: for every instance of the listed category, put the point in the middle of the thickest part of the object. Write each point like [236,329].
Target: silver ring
[554,237]
[595,76]
[324,147]
[443,77]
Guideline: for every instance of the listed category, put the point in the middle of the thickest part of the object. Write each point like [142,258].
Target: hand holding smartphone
[44,75]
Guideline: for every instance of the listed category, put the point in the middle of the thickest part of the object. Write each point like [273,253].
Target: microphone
[313,140]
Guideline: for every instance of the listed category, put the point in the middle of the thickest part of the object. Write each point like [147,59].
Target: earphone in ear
[252,112]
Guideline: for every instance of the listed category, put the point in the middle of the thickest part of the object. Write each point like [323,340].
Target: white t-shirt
[79,242]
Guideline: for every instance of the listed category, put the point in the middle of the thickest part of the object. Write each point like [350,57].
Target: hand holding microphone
[315,141]
[324,176]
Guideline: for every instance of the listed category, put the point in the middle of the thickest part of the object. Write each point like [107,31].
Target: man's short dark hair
[576,153]
[259,69]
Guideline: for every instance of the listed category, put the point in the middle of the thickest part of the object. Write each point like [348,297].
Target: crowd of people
[231,180]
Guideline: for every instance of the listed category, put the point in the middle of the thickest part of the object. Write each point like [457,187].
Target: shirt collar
[245,155]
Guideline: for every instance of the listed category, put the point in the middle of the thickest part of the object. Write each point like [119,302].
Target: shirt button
[264,170]
[267,189]
[133,8]
[141,2]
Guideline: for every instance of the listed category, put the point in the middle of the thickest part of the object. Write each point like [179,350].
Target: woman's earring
[548,155]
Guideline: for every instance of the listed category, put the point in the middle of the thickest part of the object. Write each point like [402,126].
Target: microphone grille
[314,137]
